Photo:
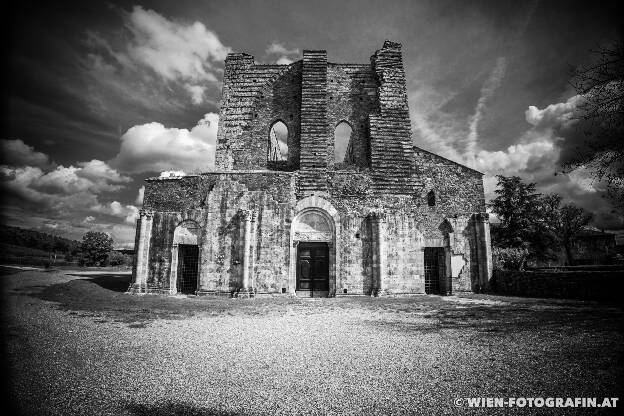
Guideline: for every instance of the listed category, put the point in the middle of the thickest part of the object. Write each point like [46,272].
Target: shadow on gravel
[103,298]
[5,271]
[114,281]
[519,316]
[174,409]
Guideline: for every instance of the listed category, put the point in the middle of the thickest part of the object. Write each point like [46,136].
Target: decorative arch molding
[276,120]
[187,232]
[314,201]
[315,220]
[195,215]
[344,120]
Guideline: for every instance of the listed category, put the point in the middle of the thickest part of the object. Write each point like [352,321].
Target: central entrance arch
[313,262]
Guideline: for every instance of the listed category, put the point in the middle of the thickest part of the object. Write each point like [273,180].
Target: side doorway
[435,271]
[312,270]
[188,268]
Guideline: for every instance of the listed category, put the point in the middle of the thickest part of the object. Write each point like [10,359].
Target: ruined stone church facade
[297,213]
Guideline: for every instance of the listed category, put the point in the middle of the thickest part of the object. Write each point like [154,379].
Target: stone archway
[316,224]
[185,247]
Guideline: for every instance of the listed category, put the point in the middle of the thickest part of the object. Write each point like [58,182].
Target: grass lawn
[76,343]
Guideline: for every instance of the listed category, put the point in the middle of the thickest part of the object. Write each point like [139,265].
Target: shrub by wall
[586,285]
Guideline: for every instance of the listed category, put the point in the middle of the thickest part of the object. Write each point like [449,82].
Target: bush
[95,247]
[115,258]
[509,258]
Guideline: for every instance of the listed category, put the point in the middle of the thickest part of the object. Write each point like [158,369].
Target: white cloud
[153,147]
[139,198]
[534,157]
[18,153]
[196,91]
[284,60]
[516,158]
[489,88]
[277,48]
[57,197]
[174,50]
[554,115]
[128,212]
[93,176]
[286,56]
[25,184]
[62,187]
[182,52]
[98,171]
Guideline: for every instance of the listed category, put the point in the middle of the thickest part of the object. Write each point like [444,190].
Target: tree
[569,224]
[95,247]
[515,206]
[533,223]
[601,119]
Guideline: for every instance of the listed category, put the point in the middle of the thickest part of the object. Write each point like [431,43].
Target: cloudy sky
[105,93]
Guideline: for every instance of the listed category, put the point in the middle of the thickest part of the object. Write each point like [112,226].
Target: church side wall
[458,195]
[458,188]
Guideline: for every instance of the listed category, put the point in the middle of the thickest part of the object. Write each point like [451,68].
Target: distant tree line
[37,240]
[533,226]
[29,246]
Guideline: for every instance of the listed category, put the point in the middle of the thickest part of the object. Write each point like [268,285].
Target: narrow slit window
[431,199]
[278,143]
[342,143]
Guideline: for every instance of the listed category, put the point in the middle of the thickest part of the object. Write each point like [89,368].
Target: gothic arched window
[342,143]
[278,142]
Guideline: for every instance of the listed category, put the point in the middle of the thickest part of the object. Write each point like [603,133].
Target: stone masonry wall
[389,179]
[352,96]
[215,201]
[458,189]
[390,129]
[253,98]
[312,97]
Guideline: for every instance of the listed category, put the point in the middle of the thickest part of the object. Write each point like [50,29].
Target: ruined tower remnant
[318,191]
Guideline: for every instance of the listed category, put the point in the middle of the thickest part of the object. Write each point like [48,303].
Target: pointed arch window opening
[343,144]
[278,142]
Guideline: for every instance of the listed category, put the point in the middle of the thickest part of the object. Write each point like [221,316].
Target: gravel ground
[79,345]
